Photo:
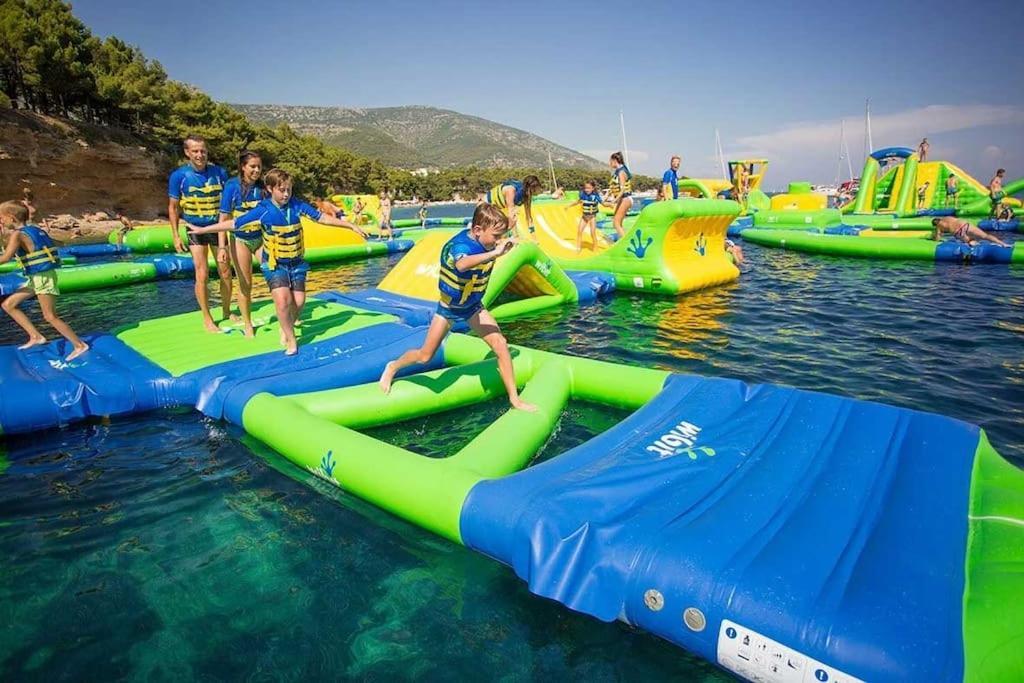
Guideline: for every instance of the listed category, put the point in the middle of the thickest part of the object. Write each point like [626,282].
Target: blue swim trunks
[292,276]
[455,315]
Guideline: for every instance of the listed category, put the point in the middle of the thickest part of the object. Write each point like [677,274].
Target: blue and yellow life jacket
[590,202]
[462,289]
[42,257]
[198,192]
[283,243]
[617,188]
[496,195]
[238,203]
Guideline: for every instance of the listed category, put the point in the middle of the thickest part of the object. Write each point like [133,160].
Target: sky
[776,81]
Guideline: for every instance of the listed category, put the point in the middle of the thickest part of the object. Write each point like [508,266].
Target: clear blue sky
[776,80]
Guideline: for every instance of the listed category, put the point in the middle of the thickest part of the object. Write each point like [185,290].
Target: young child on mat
[963,231]
[466,262]
[282,263]
[37,255]
[589,199]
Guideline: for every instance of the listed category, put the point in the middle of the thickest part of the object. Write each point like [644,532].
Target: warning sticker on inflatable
[760,659]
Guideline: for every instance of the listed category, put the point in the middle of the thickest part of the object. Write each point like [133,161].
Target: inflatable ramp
[673,247]
[522,281]
[781,534]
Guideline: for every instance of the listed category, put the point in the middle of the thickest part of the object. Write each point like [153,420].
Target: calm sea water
[169,546]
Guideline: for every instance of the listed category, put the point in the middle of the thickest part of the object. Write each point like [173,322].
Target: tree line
[51,63]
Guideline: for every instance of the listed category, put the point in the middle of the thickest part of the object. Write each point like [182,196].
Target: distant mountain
[415,137]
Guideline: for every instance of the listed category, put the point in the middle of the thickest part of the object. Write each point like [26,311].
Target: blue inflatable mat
[768,510]
[39,390]
[994,225]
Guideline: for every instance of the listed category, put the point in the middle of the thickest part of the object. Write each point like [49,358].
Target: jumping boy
[466,262]
[37,255]
[194,192]
[282,263]
[963,231]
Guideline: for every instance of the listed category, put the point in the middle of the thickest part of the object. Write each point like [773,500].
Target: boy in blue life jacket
[283,262]
[466,263]
[37,255]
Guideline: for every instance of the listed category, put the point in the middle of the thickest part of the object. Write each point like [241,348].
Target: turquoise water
[171,546]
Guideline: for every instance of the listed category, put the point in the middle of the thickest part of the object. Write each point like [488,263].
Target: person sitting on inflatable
[620,191]
[466,263]
[963,231]
[282,263]
[512,193]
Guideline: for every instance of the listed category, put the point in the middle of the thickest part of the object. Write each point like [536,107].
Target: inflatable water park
[782,534]
[891,216]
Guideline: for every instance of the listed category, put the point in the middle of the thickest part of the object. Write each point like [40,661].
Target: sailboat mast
[720,154]
[842,139]
[867,129]
[625,147]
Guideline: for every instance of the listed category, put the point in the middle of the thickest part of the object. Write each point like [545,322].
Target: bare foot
[387,377]
[249,331]
[291,349]
[233,317]
[210,325]
[79,350]
[33,341]
[297,323]
[520,404]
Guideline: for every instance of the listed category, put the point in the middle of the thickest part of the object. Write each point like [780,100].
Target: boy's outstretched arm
[223,226]
[333,221]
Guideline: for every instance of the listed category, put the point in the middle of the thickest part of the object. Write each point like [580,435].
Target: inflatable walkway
[165,266]
[523,281]
[673,247]
[873,245]
[781,534]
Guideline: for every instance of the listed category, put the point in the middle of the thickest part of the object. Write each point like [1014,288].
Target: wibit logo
[680,440]
[543,267]
[701,244]
[636,245]
[325,470]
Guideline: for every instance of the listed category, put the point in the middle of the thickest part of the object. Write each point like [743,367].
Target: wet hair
[674,157]
[935,222]
[244,157]
[15,209]
[192,137]
[488,216]
[1001,171]
[617,158]
[276,177]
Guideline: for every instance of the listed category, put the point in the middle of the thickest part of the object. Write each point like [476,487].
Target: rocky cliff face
[78,168]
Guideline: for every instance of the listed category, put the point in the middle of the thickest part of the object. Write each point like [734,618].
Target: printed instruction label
[763,660]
